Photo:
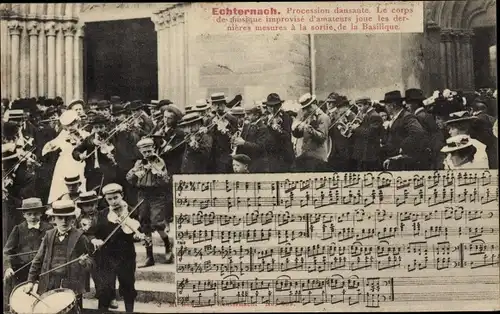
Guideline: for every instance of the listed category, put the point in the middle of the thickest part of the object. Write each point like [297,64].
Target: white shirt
[34,226]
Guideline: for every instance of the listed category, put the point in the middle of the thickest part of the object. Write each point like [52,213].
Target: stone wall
[253,65]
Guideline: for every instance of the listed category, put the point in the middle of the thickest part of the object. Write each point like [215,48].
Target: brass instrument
[236,134]
[348,121]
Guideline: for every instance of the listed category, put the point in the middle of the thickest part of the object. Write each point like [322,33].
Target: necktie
[61,236]
[35,226]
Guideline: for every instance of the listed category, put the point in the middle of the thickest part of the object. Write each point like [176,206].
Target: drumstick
[23,267]
[21,254]
[61,266]
[39,300]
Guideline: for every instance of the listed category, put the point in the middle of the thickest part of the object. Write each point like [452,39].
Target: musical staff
[354,240]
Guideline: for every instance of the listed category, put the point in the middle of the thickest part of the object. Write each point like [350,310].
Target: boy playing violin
[116,257]
[149,175]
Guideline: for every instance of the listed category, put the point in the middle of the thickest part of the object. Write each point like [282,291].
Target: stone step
[90,306]
[147,292]
[158,253]
[158,273]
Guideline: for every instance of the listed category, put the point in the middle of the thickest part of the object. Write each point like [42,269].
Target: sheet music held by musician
[338,242]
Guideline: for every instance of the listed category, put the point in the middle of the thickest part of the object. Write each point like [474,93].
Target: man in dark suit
[366,138]
[482,130]
[406,139]
[252,141]
[279,147]
[198,146]
[414,101]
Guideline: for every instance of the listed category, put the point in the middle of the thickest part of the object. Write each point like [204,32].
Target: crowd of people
[96,176]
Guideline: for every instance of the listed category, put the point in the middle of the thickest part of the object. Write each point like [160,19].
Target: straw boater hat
[201,105]
[190,118]
[112,188]
[87,197]
[68,117]
[62,208]
[72,180]
[14,114]
[32,203]
[218,98]
[306,100]
[237,111]
[456,143]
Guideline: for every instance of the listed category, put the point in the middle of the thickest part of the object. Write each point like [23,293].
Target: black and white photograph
[170,157]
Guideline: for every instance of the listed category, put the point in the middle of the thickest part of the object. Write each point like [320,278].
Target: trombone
[348,121]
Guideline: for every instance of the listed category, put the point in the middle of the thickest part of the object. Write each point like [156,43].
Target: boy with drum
[63,258]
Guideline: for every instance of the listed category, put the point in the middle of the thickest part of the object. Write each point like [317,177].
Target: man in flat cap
[241,163]
[253,139]
[150,176]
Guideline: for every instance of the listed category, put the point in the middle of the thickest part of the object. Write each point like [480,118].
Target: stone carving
[33,28]
[168,17]
[15,27]
[52,28]
[123,5]
[69,29]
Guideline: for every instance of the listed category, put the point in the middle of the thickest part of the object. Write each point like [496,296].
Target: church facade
[42,54]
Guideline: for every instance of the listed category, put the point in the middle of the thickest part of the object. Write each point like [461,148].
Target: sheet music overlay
[338,241]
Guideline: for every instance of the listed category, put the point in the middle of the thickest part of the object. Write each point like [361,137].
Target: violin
[119,215]
[29,156]
[105,148]
[74,137]
[222,124]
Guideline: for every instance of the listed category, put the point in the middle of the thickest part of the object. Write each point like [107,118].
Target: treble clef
[181,285]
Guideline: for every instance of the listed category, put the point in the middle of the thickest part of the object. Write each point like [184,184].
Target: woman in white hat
[460,154]
[64,143]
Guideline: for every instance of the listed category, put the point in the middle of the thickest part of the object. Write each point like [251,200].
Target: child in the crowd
[24,238]
[241,163]
[60,246]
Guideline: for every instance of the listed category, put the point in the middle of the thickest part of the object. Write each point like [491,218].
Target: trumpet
[234,147]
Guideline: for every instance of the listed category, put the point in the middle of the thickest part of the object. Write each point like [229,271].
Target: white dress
[66,166]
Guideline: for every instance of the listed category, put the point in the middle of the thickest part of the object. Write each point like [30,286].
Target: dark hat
[306,100]
[244,159]
[118,109]
[392,96]
[332,97]
[32,203]
[62,208]
[103,104]
[115,100]
[273,99]
[414,94]
[50,112]
[87,197]
[174,109]
[236,101]
[72,180]
[59,101]
[76,102]
[254,110]
[136,105]
[164,102]
[460,116]
[18,104]
[190,118]
[237,111]
[218,97]
[98,119]
[10,129]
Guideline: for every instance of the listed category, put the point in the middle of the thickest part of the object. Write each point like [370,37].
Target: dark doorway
[121,59]
[484,62]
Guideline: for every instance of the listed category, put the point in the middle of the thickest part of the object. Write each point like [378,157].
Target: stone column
[447,58]
[167,45]
[78,61]
[51,59]
[468,64]
[181,66]
[69,32]
[33,30]
[15,28]
[24,64]
[60,62]
[158,20]
[42,53]
[4,58]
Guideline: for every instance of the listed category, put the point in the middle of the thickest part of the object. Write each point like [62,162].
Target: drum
[21,302]
[57,301]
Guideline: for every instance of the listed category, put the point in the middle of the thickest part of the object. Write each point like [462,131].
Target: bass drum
[19,301]
[58,301]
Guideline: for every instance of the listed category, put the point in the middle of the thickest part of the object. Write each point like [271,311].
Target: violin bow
[121,223]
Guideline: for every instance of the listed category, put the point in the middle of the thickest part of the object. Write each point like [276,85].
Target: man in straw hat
[25,237]
[312,126]
[459,123]
[460,153]
[279,147]
[150,176]
[405,135]
[74,185]
[60,246]
[196,158]
[117,258]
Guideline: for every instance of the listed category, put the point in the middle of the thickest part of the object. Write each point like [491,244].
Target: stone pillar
[24,64]
[51,59]
[468,64]
[174,79]
[159,27]
[4,58]
[60,62]
[42,54]
[181,66]
[78,62]
[167,44]
[15,28]
[445,60]
[33,30]
[69,32]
